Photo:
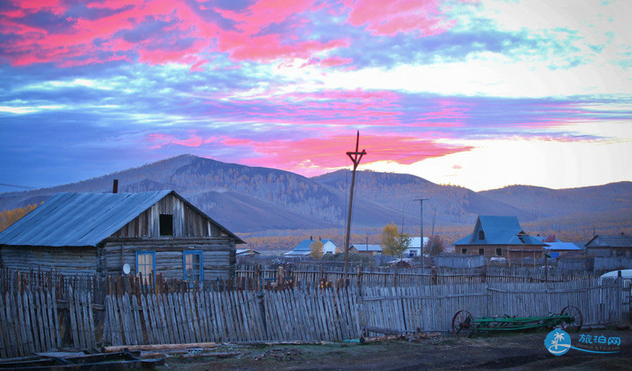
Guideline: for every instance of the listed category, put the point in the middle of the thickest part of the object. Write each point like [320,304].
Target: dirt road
[428,352]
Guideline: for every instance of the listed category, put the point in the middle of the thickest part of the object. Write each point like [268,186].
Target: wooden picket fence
[334,315]
[232,316]
[303,275]
[31,320]
[35,321]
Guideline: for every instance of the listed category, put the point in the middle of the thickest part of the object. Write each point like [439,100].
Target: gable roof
[306,244]
[498,230]
[617,240]
[363,247]
[303,245]
[84,219]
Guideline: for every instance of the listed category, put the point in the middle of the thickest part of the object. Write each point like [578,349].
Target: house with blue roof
[304,248]
[556,248]
[121,233]
[499,236]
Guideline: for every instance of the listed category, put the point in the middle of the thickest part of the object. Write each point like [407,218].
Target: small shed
[367,249]
[114,233]
[618,245]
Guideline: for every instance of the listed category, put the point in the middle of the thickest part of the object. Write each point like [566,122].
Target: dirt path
[439,352]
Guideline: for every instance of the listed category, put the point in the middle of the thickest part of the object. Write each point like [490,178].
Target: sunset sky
[481,94]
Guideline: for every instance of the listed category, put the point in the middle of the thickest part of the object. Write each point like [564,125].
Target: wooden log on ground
[121,348]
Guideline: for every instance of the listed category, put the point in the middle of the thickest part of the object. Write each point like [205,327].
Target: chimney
[115,186]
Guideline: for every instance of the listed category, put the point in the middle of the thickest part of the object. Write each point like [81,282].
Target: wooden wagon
[464,324]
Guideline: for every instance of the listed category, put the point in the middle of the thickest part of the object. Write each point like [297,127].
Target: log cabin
[113,233]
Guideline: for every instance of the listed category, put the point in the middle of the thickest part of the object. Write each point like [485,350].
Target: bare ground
[516,351]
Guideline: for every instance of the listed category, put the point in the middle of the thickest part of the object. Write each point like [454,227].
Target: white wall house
[415,247]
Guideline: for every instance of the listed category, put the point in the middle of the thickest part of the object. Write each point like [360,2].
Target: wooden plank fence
[32,320]
[303,275]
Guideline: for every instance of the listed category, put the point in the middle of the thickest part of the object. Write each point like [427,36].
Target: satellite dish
[126,268]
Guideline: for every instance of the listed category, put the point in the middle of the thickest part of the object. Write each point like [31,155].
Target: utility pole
[421,206]
[355,157]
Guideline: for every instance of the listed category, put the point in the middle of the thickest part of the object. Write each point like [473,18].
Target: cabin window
[481,235]
[499,251]
[166,225]
[463,251]
[146,265]
[192,266]
[481,251]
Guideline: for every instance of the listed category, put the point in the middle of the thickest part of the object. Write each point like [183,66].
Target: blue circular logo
[558,342]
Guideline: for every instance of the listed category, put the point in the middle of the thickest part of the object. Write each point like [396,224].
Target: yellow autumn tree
[316,249]
[8,217]
[394,243]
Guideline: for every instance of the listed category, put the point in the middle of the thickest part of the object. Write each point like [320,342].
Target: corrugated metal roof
[368,248]
[303,245]
[78,219]
[617,240]
[566,246]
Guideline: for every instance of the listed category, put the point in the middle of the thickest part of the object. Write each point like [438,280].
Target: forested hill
[255,199]
[242,198]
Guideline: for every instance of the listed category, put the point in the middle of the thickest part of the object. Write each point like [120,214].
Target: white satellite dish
[126,268]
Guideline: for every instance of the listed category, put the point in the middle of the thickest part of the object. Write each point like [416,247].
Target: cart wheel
[576,318]
[463,324]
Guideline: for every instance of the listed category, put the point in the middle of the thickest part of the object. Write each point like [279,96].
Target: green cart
[464,324]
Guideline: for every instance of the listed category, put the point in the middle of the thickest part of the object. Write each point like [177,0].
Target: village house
[303,249]
[113,233]
[499,236]
[414,249]
[619,245]
[556,248]
[367,249]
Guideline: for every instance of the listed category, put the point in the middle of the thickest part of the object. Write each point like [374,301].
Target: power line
[16,186]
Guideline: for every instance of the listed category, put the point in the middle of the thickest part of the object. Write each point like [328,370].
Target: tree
[435,246]
[8,217]
[394,243]
[316,249]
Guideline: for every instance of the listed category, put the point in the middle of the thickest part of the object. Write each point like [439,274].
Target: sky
[480,94]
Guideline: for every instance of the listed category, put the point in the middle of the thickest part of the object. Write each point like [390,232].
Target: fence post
[262,311]
[280,280]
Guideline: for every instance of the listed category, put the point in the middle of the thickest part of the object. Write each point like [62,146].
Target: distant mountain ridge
[255,199]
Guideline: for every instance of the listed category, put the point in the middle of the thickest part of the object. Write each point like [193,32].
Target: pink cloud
[159,140]
[395,16]
[322,153]
[250,39]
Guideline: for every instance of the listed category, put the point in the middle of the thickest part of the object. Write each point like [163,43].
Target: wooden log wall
[218,255]
[75,260]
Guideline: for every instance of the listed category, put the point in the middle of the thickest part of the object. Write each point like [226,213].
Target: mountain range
[263,200]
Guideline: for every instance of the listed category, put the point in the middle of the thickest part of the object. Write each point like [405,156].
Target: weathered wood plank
[137,323]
